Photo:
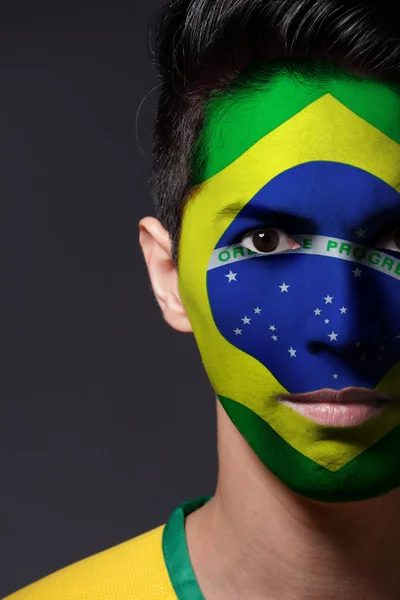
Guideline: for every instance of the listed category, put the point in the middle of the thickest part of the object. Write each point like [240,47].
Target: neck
[258,540]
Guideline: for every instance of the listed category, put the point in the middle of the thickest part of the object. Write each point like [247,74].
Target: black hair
[200,47]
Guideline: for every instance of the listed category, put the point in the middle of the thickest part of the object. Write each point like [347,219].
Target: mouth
[345,408]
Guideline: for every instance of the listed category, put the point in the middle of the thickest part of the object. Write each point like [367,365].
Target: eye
[269,241]
[390,241]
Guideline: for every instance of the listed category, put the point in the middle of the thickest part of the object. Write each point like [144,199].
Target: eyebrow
[263,213]
[230,211]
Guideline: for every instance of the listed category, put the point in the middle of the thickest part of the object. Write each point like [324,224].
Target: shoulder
[131,571]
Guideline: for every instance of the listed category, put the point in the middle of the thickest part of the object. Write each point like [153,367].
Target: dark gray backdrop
[106,415]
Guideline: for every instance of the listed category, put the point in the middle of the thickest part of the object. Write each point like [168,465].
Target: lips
[345,408]
[351,394]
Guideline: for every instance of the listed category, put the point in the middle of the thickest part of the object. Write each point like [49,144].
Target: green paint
[239,250]
[374,258]
[387,262]
[224,256]
[359,253]
[375,472]
[268,94]
[307,244]
[235,253]
[331,245]
[345,248]
[397,269]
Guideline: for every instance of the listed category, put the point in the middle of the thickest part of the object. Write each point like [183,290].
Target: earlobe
[156,246]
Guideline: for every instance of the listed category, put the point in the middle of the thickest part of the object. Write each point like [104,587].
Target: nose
[353,322]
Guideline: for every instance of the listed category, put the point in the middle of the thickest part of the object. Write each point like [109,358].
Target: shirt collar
[176,553]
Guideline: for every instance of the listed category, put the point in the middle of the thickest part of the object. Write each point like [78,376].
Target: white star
[284,287]
[257,310]
[358,344]
[274,337]
[363,357]
[327,321]
[343,311]
[328,299]
[317,312]
[292,352]
[397,337]
[246,321]
[360,233]
[333,336]
[231,276]
[357,272]
[336,376]
[381,358]
[237,331]
[383,348]
[272,328]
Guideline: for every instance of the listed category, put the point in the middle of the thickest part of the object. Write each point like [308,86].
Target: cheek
[192,282]
[308,320]
[252,304]
[231,372]
[192,279]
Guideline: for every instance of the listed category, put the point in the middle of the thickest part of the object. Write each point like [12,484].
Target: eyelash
[295,245]
[251,233]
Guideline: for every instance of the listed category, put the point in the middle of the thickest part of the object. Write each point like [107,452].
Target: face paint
[315,165]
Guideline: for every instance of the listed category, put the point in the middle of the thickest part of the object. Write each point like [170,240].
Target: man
[276,180]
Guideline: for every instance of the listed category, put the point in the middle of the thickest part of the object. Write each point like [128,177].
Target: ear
[157,250]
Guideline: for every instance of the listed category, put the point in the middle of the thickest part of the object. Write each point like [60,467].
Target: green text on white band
[318,245]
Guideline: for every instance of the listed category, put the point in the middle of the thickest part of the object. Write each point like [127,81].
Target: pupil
[267,240]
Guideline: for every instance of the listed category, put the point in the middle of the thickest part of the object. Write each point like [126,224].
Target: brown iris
[267,240]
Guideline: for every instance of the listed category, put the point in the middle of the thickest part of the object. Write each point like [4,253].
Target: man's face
[289,269]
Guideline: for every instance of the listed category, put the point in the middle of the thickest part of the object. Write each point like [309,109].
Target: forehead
[255,107]
[252,138]
[318,198]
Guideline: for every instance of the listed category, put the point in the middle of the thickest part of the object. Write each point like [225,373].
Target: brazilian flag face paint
[313,300]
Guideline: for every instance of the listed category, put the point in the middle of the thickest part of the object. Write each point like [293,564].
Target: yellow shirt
[153,566]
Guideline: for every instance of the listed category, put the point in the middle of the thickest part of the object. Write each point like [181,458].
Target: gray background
[107,420]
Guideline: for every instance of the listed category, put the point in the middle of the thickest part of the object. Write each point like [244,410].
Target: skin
[308,550]
[334,164]
[257,538]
